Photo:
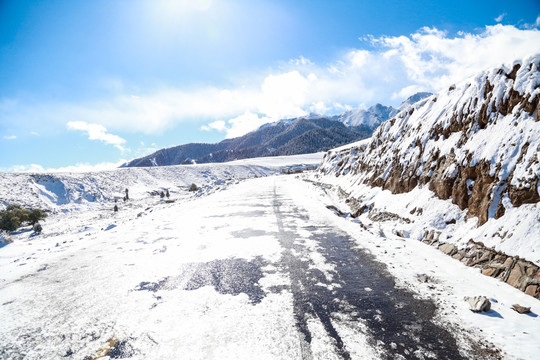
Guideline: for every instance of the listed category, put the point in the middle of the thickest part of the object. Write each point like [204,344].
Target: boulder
[533,290]
[516,276]
[448,249]
[500,258]
[459,255]
[485,257]
[478,303]
[524,195]
[531,269]
[508,262]
[335,210]
[490,271]
[521,309]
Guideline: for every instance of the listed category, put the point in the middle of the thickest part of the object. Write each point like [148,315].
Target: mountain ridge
[312,133]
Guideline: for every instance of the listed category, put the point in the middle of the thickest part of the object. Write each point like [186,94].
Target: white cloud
[359,58]
[387,70]
[500,17]
[26,168]
[406,92]
[432,60]
[533,26]
[97,132]
[10,137]
[218,125]
[86,167]
[301,61]
[239,125]
[79,167]
[245,123]
[285,94]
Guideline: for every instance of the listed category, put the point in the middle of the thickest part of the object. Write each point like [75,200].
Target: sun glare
[181,7]
[168,18]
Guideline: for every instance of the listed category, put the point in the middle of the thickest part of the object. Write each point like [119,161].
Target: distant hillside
[303,135]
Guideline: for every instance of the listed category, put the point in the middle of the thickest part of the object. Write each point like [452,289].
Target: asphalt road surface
[245,273]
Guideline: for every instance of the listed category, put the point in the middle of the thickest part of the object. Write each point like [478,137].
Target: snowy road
[246,273]
[355,289]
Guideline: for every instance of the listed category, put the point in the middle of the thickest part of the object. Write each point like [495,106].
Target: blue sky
[88,84]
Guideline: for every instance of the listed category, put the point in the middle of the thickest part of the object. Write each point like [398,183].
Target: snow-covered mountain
[303,135]
[371,117]
[376,114]
[475,146]
[411,100]
[288,137]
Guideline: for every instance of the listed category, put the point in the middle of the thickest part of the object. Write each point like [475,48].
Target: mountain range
[309,134]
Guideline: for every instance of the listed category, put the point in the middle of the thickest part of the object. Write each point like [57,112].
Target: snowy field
[84,190]
[161,280]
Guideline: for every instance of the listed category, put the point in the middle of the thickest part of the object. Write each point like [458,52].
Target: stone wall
[521,274]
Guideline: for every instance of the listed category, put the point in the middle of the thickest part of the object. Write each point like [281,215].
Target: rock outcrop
[478,303]
[477,144]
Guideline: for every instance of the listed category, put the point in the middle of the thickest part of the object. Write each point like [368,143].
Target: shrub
[5,238]
[35,215]
[14,216]
[19,212]
[9,222]
[38,228]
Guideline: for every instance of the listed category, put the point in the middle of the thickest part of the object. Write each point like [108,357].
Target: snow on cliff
[372,117]
[475,146]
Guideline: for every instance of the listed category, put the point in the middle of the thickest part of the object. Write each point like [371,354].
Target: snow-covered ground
[142,281]
[78,191]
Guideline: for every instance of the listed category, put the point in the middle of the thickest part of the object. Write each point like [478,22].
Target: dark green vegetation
[15,216]
[288,137]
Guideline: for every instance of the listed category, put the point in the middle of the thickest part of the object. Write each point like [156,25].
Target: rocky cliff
[476,143]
